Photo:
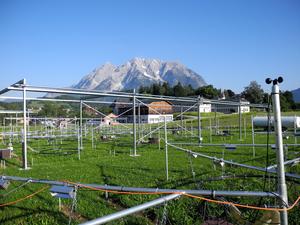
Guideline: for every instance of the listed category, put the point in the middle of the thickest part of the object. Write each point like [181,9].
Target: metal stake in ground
[253,137]
[25,167]
[138,208]
[78,142]
[81,145]
[282,189]
[134,123]
[199,120]
[240,121]
[166,149]
[139,119]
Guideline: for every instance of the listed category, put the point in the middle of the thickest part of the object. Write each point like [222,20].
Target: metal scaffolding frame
[105,187]
[135,209]
[282,190]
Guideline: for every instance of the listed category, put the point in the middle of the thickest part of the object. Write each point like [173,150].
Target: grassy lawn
[110,163]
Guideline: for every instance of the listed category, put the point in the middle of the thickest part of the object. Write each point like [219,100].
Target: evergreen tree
[156,89]
[287,101]
[179,90]
[229,93]
[189,90]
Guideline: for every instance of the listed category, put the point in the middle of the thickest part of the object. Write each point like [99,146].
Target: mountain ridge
[296,95]
[139,72]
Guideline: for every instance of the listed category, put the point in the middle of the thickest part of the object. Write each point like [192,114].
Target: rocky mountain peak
[139,71]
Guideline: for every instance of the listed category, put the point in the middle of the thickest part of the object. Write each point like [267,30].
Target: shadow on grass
[70,151]
[182,182]
[21,218]
[226,152]
[12,163]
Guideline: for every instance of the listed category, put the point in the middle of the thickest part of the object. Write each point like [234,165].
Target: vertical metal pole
[11,130]
[181,119]
[25,167]
[166,150]
[139,119]
[80,134]
[28,118]
[4,130]
[245,128]
[210,131]
[295,129]
[199,121]
[253,136]
[240,121]
[159,139]
[215,119]
[282,189]
[185,130]
[61,133]
[16,126]
[92,136]
[78,142]
[45,126]
[134,124]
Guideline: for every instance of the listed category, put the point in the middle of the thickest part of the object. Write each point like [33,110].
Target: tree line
[180,90]
[252,93]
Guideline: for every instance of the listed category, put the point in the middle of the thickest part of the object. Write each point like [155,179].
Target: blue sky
[229,43]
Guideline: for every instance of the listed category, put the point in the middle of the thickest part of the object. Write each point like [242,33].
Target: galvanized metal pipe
[127,95]
[95,93]
[92,130]
[233,163]
[25,166]
[149,190]
[166,149]
[210,131]
[199,121]
[292,161]
[253,136]
[138,208]
[78,142]
[134,123]
[236,144]
[139,121]
[240,121]
[81,144]
[282,188]
[151,132]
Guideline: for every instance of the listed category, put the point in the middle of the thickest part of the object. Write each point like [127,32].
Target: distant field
[110,163]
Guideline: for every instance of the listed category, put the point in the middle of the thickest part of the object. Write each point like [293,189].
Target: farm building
[110,119]
[204,107]
[153,112]
[245,108]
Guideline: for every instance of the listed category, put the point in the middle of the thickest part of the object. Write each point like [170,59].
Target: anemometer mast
[282,190]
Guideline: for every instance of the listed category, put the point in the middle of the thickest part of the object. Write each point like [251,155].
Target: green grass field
[110,163]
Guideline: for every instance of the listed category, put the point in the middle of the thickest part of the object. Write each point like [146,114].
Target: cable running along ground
[26,197]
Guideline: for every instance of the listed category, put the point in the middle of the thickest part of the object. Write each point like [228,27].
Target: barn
[154,112]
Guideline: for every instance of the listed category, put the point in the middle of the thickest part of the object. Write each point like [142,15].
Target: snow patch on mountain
[138,72]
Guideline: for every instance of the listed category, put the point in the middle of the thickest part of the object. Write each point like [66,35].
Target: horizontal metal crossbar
[233,163]
[148,190]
